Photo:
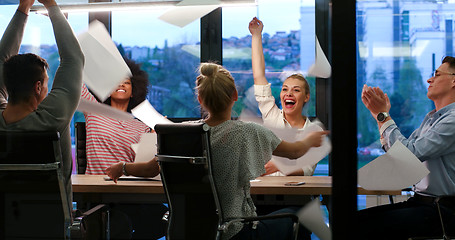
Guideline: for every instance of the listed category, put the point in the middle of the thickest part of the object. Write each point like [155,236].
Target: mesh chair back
[33,199]
[184,158]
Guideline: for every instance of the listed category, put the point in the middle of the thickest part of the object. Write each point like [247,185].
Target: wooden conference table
[93,188]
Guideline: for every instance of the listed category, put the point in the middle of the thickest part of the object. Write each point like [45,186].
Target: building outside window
[400,44]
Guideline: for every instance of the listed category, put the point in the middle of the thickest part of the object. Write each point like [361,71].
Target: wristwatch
[124,169]
[382,116]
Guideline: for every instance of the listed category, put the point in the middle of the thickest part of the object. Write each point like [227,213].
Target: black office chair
[81,156]
[33,197]
[186,173]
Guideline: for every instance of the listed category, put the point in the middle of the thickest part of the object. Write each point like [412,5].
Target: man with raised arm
[24,100]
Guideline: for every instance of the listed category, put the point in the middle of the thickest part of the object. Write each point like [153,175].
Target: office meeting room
[227,119]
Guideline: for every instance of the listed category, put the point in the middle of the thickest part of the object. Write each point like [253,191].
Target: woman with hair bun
[239,152]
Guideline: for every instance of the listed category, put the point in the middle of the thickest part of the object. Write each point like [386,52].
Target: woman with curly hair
[108,144]
[109,140]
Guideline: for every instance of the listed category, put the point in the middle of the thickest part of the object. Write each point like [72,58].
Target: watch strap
[124,169]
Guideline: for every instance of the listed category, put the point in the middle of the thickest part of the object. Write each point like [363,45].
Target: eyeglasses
[439,73]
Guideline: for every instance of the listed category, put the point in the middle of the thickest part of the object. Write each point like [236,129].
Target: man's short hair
[450,60]
[20,73]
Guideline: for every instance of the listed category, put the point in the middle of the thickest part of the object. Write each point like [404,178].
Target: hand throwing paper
[313,156]
[397,169]
[104,67]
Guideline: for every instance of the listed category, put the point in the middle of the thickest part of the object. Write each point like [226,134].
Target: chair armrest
[230,221]
[92,224]
[293,217]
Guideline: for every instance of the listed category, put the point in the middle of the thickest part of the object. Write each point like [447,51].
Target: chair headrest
[181,128]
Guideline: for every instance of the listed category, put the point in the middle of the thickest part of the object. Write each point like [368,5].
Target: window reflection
[400,44]
[168,53]
[288,43]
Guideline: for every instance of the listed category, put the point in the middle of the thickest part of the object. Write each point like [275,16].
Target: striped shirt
[109,140]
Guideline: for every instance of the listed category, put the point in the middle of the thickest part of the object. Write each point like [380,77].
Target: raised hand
[25,5]
[48,3]
[255,26]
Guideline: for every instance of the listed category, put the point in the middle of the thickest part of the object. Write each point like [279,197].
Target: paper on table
[103,109]
[148,115]
[397,169]
[104,67]
[146,148]
[321,67]
[184,15]
[313,156]
[311,217]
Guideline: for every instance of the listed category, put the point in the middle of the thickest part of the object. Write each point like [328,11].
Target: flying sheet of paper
[184,15]
[135,147]
[103,109]
[146,148]
[313,156]
[321,68]
[148,115]
[248,116]
[250,100]
[198,2]
[104,67]
[311,217]
[398,168]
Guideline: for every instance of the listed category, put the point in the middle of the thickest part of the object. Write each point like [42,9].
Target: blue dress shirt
[434,144]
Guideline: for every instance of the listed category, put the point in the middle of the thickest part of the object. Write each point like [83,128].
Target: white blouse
[274,117]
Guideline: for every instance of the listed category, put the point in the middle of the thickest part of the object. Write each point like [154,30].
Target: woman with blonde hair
[295,93]
[239,152]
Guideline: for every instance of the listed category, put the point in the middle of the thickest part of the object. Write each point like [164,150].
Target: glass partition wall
[399,44]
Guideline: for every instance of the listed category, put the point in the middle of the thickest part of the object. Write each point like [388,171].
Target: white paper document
[103,109]
[248,116]
[321,68]
[146,148]
[397,169]
[198,2]
[183,15]
[313,156]
[148,115]
[311,217]
[104,67]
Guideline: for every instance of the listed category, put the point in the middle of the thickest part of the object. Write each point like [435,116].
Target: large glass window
[39,39]
[288,43]
[400,44]
[168,53]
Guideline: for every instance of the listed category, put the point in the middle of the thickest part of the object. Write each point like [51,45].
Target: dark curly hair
[139,84]
[20,73]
